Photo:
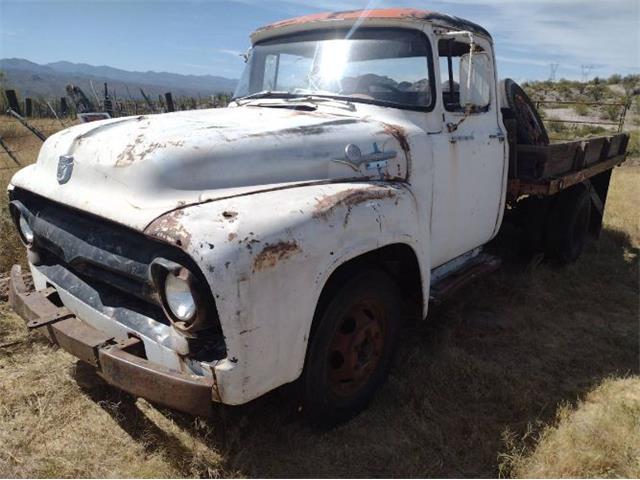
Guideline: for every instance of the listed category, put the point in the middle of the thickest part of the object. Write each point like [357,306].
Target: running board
[447,285]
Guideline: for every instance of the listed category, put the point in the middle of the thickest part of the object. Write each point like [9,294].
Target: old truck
[214,255]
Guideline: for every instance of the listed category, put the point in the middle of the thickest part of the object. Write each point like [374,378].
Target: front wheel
[352,347]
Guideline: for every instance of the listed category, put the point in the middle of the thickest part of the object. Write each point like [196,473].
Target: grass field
[531,372]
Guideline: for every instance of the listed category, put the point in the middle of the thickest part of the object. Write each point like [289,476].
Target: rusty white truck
[214,255]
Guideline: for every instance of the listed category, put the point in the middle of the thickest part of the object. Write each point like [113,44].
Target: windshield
[384,66]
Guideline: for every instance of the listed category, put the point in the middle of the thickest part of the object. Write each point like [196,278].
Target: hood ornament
[65,168]
[353,157]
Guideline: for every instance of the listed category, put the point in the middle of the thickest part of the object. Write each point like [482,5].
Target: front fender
[267,258]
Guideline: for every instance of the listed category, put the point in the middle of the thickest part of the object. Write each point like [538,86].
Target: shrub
[634,144]
[614,79]
[612,112]
[581,109]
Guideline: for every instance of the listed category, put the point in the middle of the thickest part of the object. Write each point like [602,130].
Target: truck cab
[215,255]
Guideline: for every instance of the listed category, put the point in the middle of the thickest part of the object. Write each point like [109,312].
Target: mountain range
[34,80]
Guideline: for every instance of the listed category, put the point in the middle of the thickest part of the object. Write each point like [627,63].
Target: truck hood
[131,170]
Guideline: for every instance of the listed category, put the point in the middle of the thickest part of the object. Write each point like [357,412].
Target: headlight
[25,230]
[185,301]
[179,297]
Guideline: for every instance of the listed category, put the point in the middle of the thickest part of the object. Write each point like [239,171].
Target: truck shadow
[500,356]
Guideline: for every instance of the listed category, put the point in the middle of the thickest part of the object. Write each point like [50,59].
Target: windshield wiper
[265,94]
[315,98]
[299,95]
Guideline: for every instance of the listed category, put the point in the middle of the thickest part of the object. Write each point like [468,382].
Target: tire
[530,127]
[532,218]
[568,225]
[351,348]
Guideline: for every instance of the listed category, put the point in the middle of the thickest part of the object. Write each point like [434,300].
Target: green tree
[614,79]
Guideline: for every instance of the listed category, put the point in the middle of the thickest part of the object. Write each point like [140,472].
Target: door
[469,154]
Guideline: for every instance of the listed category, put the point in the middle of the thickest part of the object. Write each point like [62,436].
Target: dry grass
[599,438]
[499,358]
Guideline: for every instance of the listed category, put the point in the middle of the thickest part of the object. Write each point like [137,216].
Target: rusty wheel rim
[357,347]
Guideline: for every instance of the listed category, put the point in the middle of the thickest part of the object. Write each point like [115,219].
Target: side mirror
[475,80]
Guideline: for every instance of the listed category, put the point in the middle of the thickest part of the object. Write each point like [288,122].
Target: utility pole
[553,70]
[586,72]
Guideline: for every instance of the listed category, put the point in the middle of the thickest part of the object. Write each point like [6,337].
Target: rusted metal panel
[31,306]
[519,187]
[386,13]
[182,391]
[270,255]
[137,376]
[362,16]
[79,339]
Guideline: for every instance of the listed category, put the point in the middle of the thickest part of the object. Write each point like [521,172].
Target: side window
[282,70]
[450,53]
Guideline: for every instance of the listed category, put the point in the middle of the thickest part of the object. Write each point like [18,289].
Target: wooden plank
[545,161]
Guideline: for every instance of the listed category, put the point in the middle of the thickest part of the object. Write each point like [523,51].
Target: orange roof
[384,13]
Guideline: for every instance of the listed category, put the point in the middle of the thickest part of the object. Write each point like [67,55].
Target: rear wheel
[352,347]
[568,225]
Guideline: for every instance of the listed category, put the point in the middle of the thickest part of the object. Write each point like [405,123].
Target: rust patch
[381,13]
[390,13]
[272,254]
[126,157]
[231,236]
[326,205]
[169,228]
[130,154]
[215,386]
[399,134]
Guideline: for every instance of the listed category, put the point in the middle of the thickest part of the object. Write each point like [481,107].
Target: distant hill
[35,80]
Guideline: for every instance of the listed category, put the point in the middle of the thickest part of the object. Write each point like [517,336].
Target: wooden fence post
[28,107]
[108,104]
[170,106]
[64,108]
[12,98]
[148,100]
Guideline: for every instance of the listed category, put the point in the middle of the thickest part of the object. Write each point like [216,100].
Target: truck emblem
[65,168]
[353,157]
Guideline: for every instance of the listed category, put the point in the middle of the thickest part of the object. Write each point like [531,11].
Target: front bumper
[114,358]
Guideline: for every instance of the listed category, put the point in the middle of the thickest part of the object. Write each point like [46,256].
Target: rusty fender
[267,256]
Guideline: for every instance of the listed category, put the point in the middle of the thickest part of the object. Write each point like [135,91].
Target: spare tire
[530,128]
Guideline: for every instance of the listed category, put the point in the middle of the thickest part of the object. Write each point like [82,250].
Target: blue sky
[206,36]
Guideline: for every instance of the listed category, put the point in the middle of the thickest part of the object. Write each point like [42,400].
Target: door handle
[460,138]
[499,136]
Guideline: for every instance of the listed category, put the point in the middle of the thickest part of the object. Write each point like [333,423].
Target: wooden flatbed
[545,170]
